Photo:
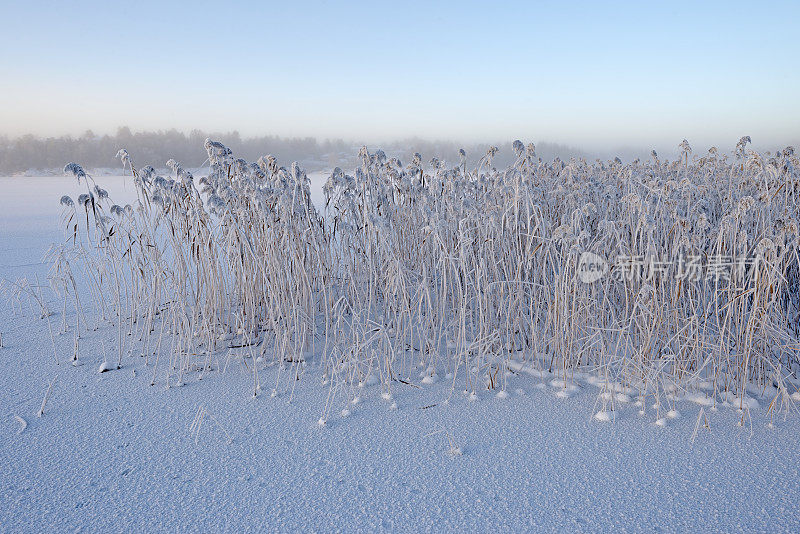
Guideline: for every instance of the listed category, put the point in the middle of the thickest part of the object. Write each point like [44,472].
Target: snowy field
[112,453]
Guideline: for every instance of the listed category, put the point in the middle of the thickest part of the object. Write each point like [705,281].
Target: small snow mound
[619,397]
[345,413]
[371,380]
[603,415]
[393,406]
[596,381]
[430,379]
[515,366]
[661,422]
[796,396]
[700,398]
[473,396]
[742,402]
[386,396]
[454,451]
[104,367]
[501,395]
[356,400]
[673,414]
[321,421]
[535,372]
[565,389]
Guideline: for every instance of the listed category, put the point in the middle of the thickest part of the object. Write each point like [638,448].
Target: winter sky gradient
[586,74]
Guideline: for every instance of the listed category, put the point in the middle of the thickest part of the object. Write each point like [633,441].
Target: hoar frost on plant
[456,271]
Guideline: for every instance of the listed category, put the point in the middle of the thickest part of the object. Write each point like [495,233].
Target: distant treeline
[151,148]
[155,148]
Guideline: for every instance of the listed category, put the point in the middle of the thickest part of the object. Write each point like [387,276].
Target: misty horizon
[28,153]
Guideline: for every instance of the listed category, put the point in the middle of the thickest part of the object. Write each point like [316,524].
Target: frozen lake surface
[112,453]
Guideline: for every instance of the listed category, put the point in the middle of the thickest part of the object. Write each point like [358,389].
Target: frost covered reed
[423,271]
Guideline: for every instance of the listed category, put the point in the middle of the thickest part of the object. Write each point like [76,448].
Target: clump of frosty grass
[423,271]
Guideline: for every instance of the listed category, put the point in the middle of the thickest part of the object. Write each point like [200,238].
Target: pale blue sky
[590,74]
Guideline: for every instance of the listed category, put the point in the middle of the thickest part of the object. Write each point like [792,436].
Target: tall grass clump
[429,270]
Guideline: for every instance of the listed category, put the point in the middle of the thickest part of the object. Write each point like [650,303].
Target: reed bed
[436,271]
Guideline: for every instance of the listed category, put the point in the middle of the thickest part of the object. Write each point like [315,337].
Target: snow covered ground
[112,453]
